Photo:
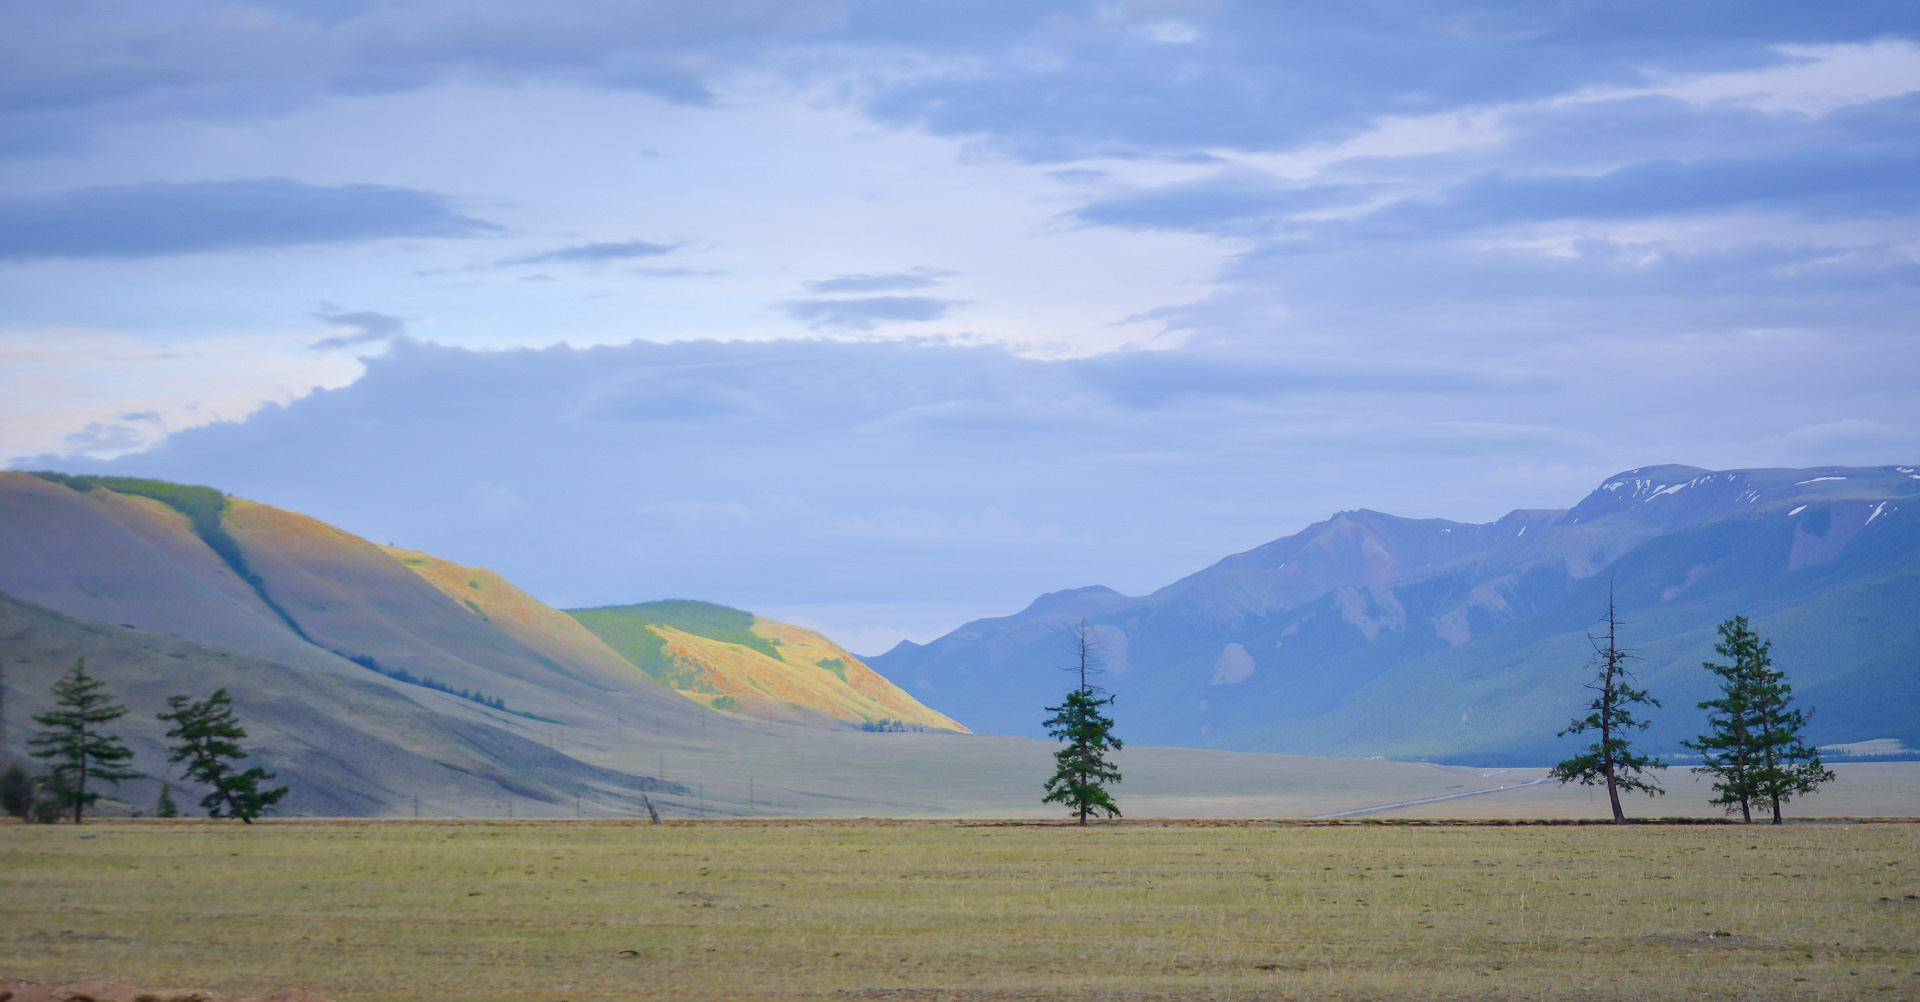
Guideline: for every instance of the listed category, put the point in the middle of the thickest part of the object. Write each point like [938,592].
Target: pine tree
[1081,768]
[1611,759]
[74,743]
[165,807]
[1787,766]
[209,743]
[1732,750]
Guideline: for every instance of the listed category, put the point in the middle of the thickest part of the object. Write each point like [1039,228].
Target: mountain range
[1373,635]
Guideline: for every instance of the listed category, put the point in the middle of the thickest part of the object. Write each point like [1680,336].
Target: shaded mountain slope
[133,561]
[344,744]
[1844,628]
[737,662]
[1368,634]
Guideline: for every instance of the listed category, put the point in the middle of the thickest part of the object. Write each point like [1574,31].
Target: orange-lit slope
[520,616]
[736,662]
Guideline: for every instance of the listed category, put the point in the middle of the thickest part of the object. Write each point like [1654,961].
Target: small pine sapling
[16,791]
[165,806]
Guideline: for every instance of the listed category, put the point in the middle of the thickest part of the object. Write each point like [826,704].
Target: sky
[882,316]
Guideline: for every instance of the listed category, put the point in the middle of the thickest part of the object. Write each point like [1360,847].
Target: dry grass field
[968,910]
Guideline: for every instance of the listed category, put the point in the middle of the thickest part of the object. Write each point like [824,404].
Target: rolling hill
[735,661]
[374,675]
[1368,634]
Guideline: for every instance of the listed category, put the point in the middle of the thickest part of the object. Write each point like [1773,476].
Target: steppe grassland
[810,909]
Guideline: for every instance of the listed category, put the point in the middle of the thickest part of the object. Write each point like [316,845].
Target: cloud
[1391,255]
[104,438]
[1052,79]
[148,220]
[1820,184]
[100,393]
[368,327]
[867,313]
[68,70]
[594,252]
[936,473]
[1068,82]
[913,278]
[1227,203]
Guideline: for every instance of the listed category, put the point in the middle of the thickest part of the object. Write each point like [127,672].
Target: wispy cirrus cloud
[591,253]
[868,312]
[913,278]
[367,327]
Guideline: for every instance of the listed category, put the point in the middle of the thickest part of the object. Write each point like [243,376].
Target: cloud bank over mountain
[1233,265]
[823,479]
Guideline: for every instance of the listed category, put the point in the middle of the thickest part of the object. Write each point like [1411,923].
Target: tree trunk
[1773,772]
[80,794]
[1613,797]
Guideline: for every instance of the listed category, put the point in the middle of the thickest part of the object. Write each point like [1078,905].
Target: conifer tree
[74,744]
[1755,749]
[1787,765]
[165,806]
[1611,759]
[1081,768]
[1731,749]
[208,739]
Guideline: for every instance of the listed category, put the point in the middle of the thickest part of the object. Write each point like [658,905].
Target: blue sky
[883,315]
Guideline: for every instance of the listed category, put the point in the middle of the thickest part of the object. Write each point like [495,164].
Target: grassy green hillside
[736,662]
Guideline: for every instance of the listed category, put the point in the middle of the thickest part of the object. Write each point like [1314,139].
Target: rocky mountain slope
[1369,634]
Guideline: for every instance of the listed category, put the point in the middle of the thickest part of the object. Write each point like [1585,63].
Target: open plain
[977,910]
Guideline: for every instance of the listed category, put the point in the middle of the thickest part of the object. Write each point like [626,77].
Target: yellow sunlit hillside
[782,671]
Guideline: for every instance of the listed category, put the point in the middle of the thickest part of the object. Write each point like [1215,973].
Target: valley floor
[752,769]
[974,910]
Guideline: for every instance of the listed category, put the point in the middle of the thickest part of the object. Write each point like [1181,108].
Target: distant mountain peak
[1070,599]
[1370,633]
